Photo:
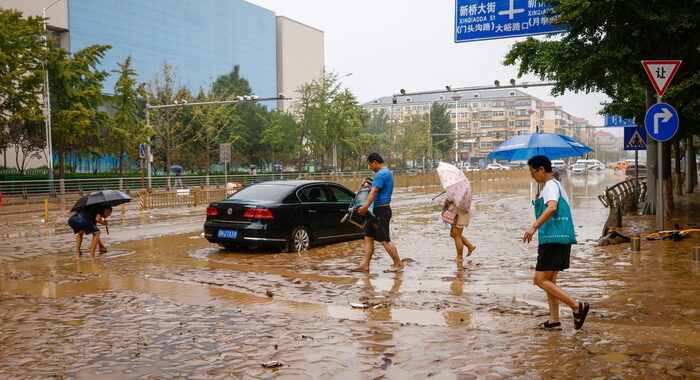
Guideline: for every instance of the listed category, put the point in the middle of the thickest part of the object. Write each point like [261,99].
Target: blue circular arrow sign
[661,122]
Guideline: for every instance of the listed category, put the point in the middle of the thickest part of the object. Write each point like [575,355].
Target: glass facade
[201,39]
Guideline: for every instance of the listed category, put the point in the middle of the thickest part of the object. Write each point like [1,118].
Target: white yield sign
[661,73]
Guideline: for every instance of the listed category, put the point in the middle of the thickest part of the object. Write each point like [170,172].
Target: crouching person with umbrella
[90,210]
[85,222]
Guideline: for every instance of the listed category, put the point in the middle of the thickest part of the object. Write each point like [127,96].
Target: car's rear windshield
[262,193]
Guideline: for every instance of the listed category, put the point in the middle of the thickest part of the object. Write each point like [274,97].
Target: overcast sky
[392,44]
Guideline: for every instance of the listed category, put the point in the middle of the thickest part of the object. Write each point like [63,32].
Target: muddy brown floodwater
[164,303]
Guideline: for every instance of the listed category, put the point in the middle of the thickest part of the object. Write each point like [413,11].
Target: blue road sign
[486,20]
[635,138]
[618,121]
[142,150]
[661,122]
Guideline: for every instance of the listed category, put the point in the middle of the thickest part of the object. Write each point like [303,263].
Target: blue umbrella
[176,168]
[524,147]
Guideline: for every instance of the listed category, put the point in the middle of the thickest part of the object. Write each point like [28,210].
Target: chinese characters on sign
[661,73]
[483,20]
[618,121]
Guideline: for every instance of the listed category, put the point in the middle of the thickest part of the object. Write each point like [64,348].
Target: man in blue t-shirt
[378,229]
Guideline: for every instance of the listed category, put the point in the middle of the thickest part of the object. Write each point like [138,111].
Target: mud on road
[176,306]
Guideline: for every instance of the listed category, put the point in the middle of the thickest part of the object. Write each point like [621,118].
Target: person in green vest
[555,232]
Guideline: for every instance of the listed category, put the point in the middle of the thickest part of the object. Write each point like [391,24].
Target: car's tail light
[212,211]
[258,213]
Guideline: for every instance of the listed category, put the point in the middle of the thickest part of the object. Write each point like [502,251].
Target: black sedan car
[292,215]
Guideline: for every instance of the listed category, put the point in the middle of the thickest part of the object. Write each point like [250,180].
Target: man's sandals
[580,317]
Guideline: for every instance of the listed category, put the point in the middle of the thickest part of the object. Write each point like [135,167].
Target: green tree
[415,139]
[602,48]
[22,56]
[172,127]
[307,117]
[212,126]
[76,94]
[376,125]
[441,126]
[127,128]
[328,116]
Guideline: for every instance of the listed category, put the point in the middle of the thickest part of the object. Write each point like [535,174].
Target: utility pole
[47,101]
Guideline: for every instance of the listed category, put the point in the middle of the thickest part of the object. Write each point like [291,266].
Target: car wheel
[300,240]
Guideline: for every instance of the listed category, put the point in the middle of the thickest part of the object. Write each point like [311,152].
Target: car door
[342,197]
[317,209]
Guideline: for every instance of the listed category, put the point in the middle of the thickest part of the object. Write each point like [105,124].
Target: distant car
[496,167]
[471,168]
[578,169]
[597,166]
[631,169]
[293,215]
[592,164]
[560,165]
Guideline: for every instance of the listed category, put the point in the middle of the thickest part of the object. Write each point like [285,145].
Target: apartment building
[484,119]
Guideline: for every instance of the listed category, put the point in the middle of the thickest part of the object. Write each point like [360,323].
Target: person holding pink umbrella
[457,205]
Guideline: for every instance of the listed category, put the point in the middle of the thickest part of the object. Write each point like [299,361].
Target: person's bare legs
[461,242]
[552,301]
[456,234]
[470,247]
[78,242]
[369,252]
[394,254]
[543,279]
[95,242]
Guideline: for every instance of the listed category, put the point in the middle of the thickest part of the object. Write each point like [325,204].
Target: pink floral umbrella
[456,184]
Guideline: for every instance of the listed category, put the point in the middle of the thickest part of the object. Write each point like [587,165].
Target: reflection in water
[242,308]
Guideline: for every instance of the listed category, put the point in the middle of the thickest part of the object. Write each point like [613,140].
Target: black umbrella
[101,199]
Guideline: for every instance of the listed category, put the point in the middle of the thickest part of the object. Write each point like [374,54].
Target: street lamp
[456,97]
[335,149]
[47,100]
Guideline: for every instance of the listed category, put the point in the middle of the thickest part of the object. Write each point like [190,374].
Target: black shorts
[378,228]
[553,257]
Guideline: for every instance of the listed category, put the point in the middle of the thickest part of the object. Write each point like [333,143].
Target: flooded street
[165,303]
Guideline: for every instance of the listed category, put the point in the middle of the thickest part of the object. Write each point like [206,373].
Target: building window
[476,95]
[485,114]
[485,123]
[498,113]
[485,144]
[462,125]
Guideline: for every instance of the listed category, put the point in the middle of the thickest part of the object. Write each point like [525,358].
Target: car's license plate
[232,234]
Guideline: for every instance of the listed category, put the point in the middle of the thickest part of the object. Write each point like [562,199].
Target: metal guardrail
[622,198]
[27,188]
[197,195]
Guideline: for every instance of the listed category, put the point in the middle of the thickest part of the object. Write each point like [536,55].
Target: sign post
[225,157]
[661,121]
[636,140]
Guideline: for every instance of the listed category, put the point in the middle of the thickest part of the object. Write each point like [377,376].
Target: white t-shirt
[550,191]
